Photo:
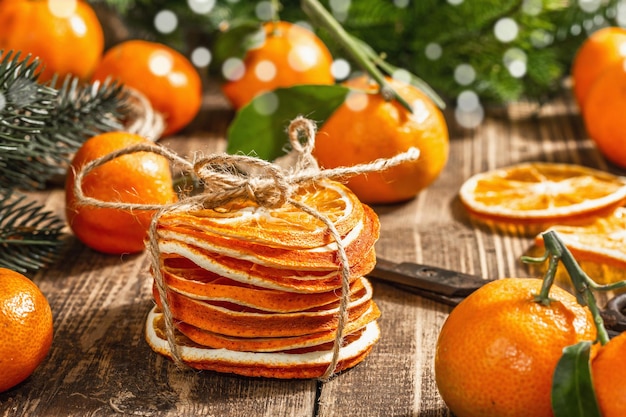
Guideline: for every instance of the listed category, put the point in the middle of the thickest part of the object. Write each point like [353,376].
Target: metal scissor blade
[430,281]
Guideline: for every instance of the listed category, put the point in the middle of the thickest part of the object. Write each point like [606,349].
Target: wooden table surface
[100,365]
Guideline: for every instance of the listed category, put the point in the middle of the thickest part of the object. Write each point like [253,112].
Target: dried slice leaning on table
[530,197]
[599,245]
[256,291]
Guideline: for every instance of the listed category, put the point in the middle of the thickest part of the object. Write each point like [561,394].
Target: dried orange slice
[233,319]
[357,242]
[288,364]
[537,195]
[286,226]
[599,246]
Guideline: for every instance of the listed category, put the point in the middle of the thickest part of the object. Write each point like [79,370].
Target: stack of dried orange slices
[530,197]
[257,291]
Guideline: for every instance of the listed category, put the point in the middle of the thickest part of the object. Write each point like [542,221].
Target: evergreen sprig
[41,126]
[30,237]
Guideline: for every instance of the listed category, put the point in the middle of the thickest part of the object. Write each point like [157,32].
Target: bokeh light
[302,57]
[433,51]
[402,75]
[515,60]
[455,2]
[201,57]
[78,25]
[266,104]
[464,74]
[265,70]
[340,68]
[62,8]
[233,69]
[160,63]
[357,100]
[339,9]
[532,7]
[201,6]
[402,4]
[589,6]
[420,112]
[541,38]
[620,14]
[264,10]
[506,29]
[469,113]
[166,21]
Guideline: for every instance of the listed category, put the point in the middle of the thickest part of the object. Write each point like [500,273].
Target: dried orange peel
[531,197]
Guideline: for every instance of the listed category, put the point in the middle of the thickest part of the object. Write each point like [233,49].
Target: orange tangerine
[367,127]
[289,55]
[27,328]
[602,48]
[609,382]
[498,349]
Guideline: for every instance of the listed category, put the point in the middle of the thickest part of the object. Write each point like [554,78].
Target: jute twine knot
[229,177]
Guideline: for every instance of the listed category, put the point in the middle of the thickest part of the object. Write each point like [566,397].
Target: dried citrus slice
[357,243]
[285,226]
[274,344]
[233,319]
[599,246]
[538,195]
[288,364]
[186,260]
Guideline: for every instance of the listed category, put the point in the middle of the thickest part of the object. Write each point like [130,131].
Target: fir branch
[42,126]
[30,237]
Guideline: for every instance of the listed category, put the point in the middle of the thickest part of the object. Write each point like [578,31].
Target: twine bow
[229,177]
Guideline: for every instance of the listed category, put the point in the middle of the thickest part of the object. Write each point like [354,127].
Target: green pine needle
[30,237]
[42,125]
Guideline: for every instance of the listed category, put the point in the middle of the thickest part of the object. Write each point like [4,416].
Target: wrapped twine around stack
[229,177]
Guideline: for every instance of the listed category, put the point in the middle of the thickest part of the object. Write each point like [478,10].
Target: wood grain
[100,365]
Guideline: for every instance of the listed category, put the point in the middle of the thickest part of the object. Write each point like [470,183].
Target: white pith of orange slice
[542,194]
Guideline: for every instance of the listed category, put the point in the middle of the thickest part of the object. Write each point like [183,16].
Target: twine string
[229,177]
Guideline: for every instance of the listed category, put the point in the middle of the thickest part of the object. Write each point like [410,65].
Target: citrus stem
[315,8]
[580,280]
[544,295]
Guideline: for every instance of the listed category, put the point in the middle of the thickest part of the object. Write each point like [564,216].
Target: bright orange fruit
[289,55]
[498,349]
[603,113]
[367,127]
[141,178]
[609,380]
[27,328]
[597,52]
[65,35]
[166,77]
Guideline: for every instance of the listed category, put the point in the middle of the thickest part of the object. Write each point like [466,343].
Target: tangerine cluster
[68,39]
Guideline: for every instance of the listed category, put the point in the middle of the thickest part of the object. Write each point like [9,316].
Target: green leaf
[260,127]
[572,387]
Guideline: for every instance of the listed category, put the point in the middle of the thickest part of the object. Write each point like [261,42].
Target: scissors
[451,287]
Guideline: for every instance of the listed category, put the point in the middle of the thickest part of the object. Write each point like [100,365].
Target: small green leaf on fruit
[572,387]
[260,127]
